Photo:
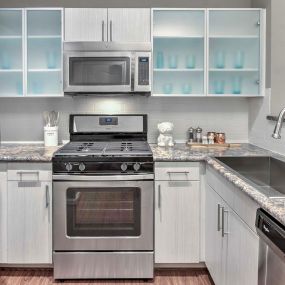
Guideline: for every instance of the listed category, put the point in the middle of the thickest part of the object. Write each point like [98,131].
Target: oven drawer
[100,265]
[177,171]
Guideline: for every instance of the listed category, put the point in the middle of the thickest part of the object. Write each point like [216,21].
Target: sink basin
[266,173]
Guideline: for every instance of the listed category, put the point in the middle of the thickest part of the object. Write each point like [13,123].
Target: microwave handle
[103,30]
[111,30]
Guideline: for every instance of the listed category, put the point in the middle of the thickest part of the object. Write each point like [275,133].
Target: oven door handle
[102,177]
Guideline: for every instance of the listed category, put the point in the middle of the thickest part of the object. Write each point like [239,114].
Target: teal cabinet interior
[31,52]
[208,52]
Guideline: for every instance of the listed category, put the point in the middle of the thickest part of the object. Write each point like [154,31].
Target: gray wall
[127,3]
[21,119]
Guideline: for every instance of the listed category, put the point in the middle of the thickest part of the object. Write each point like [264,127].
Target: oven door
[97,72]
[98,215]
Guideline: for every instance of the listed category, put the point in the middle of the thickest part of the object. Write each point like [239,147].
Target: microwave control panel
[143,70]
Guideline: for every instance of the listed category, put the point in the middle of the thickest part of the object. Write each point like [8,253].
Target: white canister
[51,136]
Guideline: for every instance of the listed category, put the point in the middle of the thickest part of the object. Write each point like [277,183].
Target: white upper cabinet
[179,52]
[11,55]
[236,57]
[129,24]
[114,24]
[85,24]
[31,52]
[44,52]
[208,52]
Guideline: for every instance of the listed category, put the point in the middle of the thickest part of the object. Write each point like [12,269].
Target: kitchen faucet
[278,126]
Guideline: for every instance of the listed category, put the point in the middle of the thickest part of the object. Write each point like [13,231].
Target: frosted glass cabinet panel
[235,52]
[11,57]
[178,52]
[44,52]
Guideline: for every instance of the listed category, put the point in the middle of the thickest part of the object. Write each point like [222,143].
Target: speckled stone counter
[182,152]
[26,152]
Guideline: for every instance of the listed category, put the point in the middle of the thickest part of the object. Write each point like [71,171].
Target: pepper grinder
[199,134]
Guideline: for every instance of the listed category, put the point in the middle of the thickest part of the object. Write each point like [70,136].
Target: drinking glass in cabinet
[5,61]
[190,61]
[51,59]
[167,88]
[237,85]
[159,60]
[172,61]
[186,88]
[19,88]
[219,86]
[220,59]
[37,88]
[239,59]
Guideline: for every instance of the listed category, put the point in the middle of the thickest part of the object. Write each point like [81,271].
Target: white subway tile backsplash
[21,120]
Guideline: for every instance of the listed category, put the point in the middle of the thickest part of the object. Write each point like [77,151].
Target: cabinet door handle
[103,30]
[219,217]
[223,221]
[159,196]
[111,30]
[47,197]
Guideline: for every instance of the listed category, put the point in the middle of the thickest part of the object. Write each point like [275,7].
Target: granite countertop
[182,152]
[26,152]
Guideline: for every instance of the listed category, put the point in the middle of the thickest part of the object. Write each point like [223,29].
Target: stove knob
[81,166]
[124,167]
[136,166]
[68,166]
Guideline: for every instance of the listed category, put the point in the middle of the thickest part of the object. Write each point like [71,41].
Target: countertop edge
[248,189]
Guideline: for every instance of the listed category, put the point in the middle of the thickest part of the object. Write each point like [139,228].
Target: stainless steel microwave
[99,67]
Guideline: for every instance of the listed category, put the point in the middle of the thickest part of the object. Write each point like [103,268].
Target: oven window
[95,71]
[106,211]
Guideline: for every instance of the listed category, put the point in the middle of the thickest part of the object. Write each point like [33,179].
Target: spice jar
[211,137]
[220,138]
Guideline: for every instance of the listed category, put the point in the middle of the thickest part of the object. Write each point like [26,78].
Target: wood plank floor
[162,277]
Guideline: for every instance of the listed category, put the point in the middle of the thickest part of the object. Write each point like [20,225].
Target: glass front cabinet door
[31,52]
[178,52]
[235,52]
[44,52]
[11,52]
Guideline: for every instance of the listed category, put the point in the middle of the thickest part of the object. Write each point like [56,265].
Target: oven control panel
[93,168]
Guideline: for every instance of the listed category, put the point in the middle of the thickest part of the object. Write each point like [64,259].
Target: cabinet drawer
[177,171]
[29,175]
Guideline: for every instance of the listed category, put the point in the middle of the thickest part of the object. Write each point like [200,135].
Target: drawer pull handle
[159,196]
[21,173]
[219,217]
[223,221]
[178,172]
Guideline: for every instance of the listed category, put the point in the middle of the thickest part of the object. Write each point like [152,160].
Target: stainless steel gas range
[103,192]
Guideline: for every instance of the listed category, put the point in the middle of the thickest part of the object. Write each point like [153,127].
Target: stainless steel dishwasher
[271,249]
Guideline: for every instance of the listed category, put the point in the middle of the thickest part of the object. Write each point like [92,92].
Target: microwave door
[86,72]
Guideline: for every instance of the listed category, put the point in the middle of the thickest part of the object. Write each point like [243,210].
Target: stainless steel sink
[266,173]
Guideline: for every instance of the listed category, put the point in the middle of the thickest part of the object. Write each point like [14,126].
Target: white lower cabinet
[3,217]
[231,247]
[177,215]
[29,219]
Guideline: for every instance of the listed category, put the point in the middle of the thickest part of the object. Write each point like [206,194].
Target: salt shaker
[204,140]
